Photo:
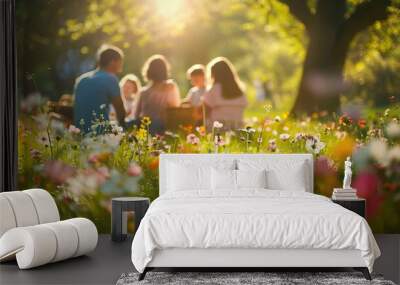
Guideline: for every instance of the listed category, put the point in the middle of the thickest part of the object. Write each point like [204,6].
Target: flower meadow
[83,172]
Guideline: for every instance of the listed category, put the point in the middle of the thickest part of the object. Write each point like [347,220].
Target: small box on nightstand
[356,205]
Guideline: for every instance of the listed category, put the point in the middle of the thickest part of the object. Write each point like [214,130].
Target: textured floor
[106,264]
[251,278]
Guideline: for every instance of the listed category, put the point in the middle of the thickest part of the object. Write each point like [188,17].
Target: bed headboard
[201,159]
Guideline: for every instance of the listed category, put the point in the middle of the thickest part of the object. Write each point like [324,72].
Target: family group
[217,94]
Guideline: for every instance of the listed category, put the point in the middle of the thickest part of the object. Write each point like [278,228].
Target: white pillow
[188,177]
[223,179]
[293,180]
[251,178]
[281,174]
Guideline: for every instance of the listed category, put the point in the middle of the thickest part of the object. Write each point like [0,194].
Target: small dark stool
[120,206]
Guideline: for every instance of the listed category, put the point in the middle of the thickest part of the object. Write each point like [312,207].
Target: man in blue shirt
[96,90]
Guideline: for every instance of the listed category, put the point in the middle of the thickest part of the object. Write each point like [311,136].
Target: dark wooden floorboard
[389,262]
[110,260]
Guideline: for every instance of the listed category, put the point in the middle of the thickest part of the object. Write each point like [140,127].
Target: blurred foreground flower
[343,148]
[362,123]
[134,170]
[35,154]
[268,108]
[187,128]
[32,102]
[325,166]
[299,136]
[393,155]
[393,130]
[153,164]
[146,121]
[272,145]
[100,157]
[326,176]
[103,173]
[116,129]
[314,145]
[345,120]
[249,130]
[172,135]
[201,130]
[367,184]
[141,134]
[119,183]
[217,125]
[192,139]
[74,130]
[378,150]
[284,137]
[219,140]
[85,182]
[112,140]
[57,171]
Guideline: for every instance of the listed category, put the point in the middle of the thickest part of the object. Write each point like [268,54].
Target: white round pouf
[7,216]
[45,205]
[31,233]
[32,246]
[67,240]
[23,208]
[87,234]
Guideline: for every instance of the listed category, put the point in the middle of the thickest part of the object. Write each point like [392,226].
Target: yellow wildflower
[141,134]
[146,121]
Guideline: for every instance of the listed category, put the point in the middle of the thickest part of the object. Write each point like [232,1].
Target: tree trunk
[322,79]
[330,35]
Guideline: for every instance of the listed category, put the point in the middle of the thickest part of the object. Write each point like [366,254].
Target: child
[130,88]
[196,75]
[225,100]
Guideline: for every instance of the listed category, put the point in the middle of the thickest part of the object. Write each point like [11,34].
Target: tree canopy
[265,40]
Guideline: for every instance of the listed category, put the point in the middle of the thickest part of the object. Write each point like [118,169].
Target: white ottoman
[31,232]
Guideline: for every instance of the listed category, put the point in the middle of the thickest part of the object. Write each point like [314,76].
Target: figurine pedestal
[344,194]
[344,189]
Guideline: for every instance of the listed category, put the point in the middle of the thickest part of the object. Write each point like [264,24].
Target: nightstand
[356,205]
[120,206]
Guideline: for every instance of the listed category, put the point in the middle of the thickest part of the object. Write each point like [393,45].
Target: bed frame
[246,258]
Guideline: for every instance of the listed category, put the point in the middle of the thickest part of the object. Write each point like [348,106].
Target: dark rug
[243,278]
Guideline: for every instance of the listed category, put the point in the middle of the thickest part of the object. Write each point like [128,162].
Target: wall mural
[106,86]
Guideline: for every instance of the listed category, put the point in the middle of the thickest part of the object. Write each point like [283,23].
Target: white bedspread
[250,219]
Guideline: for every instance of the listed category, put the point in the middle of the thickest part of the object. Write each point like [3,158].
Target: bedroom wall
[57,42]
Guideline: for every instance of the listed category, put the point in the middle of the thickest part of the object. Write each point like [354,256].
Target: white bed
[216,224]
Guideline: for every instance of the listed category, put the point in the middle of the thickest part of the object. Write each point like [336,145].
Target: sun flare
[170,8]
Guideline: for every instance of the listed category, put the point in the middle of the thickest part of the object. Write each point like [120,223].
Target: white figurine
[347,174]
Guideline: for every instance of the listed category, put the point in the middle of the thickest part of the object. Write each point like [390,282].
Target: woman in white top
[159,94]
[225,100]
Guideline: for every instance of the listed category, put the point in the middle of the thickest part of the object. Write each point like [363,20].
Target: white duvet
[250,219]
